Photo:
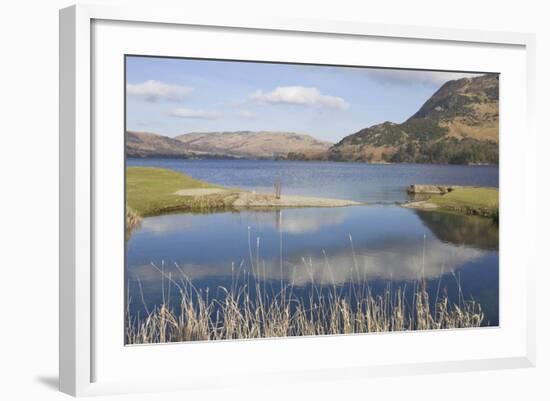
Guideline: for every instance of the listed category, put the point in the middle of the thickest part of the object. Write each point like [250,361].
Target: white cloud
[300,95]
[415,77]
[153,91]
[194,113]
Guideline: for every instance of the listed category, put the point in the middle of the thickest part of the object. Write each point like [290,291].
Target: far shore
[286,159]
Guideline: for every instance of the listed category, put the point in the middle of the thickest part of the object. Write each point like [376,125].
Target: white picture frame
[81,213]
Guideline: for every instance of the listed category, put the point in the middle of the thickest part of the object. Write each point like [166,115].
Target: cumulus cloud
[300,95]
[194,113]
[401,77]
[153,91]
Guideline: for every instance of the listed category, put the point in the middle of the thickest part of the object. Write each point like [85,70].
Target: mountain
[458,124]
[241,144]
[145,144]
[251,144]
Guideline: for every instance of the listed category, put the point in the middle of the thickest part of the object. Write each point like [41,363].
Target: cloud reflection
[388,260]
[300,223]
[288,221]
[161,225]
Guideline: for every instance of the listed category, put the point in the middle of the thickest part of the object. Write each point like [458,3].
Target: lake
[382,243]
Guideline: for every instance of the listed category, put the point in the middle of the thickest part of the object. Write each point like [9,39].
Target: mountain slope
[145,144]
[249,144]
[457,124]
[242,144]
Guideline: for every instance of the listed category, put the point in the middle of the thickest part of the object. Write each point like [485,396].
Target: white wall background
[29,200]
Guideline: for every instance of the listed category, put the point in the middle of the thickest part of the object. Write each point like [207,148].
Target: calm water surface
[374,183]
[382,243]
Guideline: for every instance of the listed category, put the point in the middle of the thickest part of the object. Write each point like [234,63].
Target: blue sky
[176,96]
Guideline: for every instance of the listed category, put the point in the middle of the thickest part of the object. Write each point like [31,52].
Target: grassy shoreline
[479,201]
[155,191]
[151,191]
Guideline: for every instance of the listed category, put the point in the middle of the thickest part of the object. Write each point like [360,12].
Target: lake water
[381,242]
[373,183]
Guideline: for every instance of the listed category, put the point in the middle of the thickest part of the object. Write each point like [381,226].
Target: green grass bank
[156,191]
[479,201]
[152,191]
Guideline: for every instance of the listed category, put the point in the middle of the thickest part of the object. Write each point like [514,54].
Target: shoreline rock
[431,189]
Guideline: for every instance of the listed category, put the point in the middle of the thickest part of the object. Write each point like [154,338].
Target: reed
[250,309]
[277,187]
[133,220]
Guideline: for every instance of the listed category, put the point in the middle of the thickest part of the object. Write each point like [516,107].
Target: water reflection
[474,231]
[163,225]
[316,247]
[307,221]
[322,246]
[388,261]
[331,246]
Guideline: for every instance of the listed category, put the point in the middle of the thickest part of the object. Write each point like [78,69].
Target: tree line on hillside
[448,151]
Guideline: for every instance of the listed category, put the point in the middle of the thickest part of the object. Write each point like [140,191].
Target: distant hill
[457,124]
[252,144]
[145,144]
[240,144]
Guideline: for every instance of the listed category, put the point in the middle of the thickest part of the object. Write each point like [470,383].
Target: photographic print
[278,200]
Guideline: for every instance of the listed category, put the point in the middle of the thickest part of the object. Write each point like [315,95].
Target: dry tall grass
[249,310]
[133,220]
